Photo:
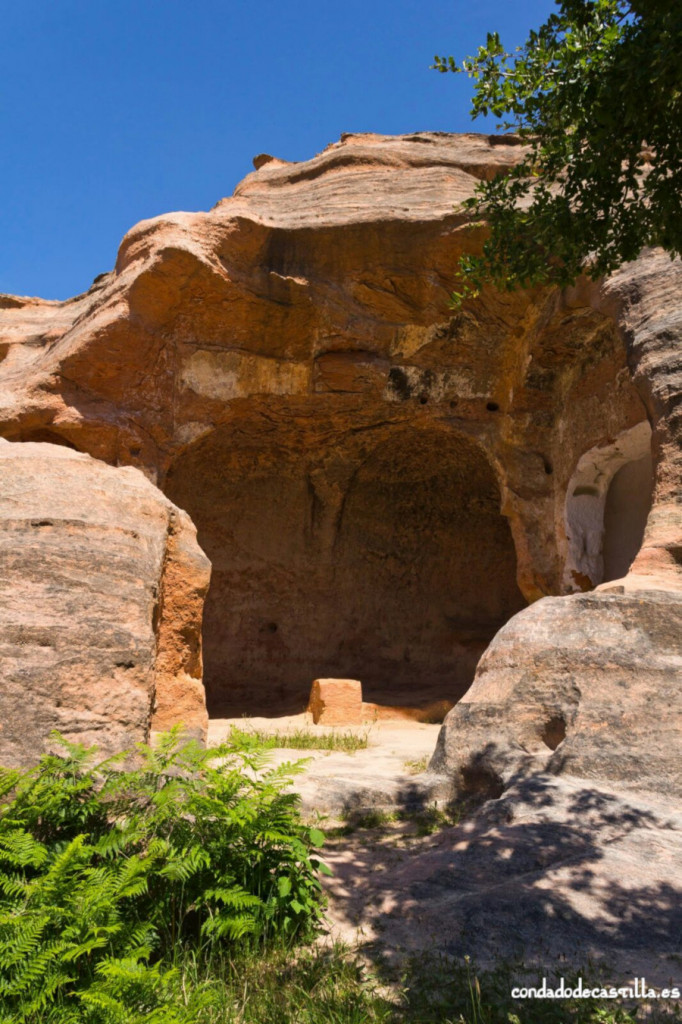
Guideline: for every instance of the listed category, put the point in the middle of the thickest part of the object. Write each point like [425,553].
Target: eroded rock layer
[101,594]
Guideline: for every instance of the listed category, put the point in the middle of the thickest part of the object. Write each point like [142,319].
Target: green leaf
[316,837]
[283,885]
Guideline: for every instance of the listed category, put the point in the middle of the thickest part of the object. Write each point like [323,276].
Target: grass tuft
[297,739]
[417,765]
[315,985]
[424,820]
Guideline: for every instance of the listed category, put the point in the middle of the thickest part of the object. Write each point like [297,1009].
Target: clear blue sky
[116,110]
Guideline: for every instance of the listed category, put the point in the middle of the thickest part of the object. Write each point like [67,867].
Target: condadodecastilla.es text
[638,989]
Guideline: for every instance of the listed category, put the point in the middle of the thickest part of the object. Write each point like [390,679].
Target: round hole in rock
[393,566]
[553,732]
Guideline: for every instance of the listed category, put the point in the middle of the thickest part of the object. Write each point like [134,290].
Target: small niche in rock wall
[607,505]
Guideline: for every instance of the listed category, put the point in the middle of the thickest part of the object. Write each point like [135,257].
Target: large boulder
[101,595]
[588,685]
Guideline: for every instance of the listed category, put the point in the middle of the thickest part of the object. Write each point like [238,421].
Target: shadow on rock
[555,872]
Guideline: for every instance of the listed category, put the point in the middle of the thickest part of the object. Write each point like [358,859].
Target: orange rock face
[379,482]
[101,591]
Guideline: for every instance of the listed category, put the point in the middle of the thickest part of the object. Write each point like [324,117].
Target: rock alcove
[388,561]
[607,505]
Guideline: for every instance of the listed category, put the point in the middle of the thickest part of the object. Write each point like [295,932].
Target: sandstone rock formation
[383,486]
[380,483]
[591,685]
[101,593]
[557,877]
[585,685]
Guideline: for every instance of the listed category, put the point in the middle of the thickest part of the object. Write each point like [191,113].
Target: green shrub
[110,874]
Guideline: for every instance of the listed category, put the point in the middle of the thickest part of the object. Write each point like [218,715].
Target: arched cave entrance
[607,506]
[389,563]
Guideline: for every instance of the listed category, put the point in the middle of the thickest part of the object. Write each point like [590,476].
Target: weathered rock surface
[647,301]
[381,778]
[588,685]
[557,876]
[379,483]
[591,685]
[101,591]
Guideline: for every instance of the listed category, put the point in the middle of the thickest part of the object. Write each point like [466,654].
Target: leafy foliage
[169,892]
[109,875]
[596,92]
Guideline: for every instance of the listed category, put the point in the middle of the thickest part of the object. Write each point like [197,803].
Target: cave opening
[607,505]
[387,562]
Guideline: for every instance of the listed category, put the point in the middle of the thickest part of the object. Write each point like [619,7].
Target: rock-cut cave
[387,561]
